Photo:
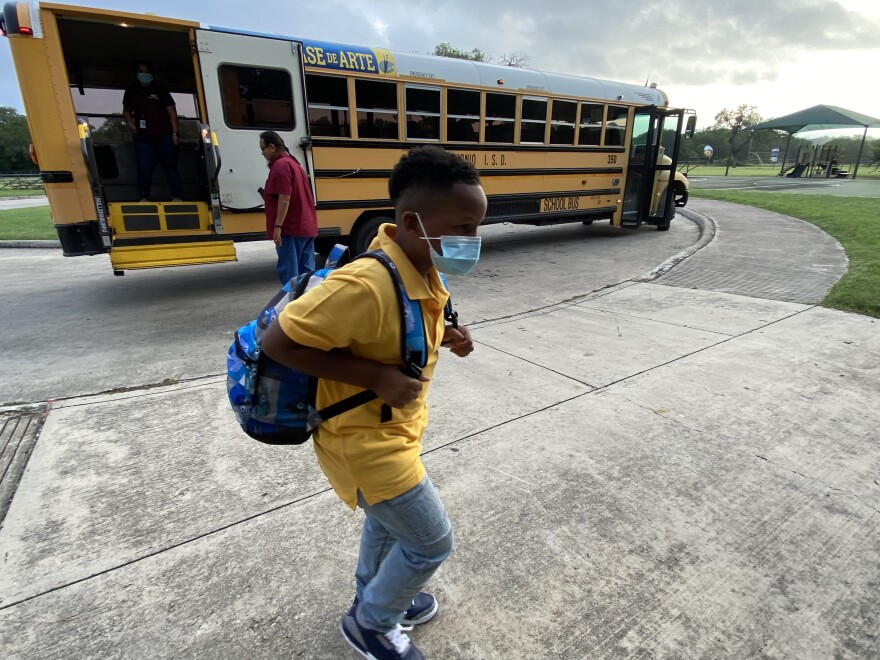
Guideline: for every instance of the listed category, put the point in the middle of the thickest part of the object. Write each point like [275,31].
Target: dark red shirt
[149,107]
[287,177]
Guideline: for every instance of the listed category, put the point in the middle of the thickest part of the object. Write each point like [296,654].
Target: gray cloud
[677,42]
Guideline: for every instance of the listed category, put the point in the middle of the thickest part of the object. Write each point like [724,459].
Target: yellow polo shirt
[355,309]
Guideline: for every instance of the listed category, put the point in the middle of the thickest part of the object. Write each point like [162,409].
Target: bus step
[171,254]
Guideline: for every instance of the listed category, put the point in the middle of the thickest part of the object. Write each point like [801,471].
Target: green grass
[865,172]
[27,224]
[24,192]
[853,221]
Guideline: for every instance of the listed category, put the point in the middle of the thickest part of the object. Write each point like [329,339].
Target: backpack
[276,404]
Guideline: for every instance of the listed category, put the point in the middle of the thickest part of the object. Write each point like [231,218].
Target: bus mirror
[691,127]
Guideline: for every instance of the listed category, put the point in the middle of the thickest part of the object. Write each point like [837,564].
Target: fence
[20,181]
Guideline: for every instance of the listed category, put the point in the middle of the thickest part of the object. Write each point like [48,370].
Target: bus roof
[344,57]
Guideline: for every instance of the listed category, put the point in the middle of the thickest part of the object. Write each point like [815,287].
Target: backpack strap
[449,314]
[413,342]
[349,403]
[413,338]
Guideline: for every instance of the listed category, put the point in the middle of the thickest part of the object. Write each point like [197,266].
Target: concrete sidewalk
[649,471]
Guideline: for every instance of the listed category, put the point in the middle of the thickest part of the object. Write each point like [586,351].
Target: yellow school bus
[550,148]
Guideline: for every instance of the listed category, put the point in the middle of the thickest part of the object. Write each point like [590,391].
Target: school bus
[550,148]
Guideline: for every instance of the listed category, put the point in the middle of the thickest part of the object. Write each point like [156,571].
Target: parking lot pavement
[646,470]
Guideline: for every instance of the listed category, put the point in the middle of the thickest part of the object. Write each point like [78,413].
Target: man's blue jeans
[296,255]
[150,151]
[404,540]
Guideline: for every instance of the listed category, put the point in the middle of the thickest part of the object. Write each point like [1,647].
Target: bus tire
[364,233]
[587,223]
[680,195]
[664,226]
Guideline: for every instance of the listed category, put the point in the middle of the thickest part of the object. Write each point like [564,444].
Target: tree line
[734,143]
[730,138]
[15,139]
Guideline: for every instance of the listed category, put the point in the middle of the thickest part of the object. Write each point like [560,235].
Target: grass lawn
[865,172]
[25,192]
[853,221]
[27,224]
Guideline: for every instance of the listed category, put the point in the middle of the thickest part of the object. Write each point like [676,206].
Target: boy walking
[347,332]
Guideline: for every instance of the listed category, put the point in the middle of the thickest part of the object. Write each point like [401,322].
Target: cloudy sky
[778,55]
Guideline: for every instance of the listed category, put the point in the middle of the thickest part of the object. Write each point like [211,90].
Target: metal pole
[859,158]
[782,169]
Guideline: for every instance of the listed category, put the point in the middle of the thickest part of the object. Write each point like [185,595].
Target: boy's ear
[411,223]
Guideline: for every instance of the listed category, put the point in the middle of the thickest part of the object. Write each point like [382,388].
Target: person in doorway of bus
[347,333]
[291,220]
[151,115]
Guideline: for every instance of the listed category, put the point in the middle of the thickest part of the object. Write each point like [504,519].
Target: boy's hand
[458,340]
[396,388]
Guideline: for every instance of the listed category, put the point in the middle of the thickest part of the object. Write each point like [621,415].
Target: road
[8,203]
[834,187]
[70,327]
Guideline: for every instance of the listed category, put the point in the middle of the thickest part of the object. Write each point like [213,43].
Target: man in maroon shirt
[151,114]
[291,220]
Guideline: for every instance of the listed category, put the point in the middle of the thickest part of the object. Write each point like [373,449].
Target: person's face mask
[145,78]
[460,253]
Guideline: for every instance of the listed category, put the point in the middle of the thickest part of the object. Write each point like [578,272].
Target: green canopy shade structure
[821,117]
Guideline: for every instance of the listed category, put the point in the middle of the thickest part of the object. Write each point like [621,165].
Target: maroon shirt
[287,177]
[149,107]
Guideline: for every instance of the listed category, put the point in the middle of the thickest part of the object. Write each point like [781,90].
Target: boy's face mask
[460,253]
[145,78]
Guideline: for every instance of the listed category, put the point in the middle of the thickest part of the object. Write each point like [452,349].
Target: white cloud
[779,55]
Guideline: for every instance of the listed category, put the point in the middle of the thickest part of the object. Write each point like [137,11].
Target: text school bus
[550,148]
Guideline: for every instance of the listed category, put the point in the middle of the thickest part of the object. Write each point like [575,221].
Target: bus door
[252,84]
[653,155]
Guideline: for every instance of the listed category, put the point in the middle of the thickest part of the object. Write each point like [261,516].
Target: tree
[447,50]
[14,141]
[735,121]
[515,59]
[875,155]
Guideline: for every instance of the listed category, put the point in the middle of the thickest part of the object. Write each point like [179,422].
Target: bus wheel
[680,195]
[364,234]
[664,226]
[587,222]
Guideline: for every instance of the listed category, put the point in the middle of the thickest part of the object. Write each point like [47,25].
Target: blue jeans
[149,151]
[296,255]
[404,540]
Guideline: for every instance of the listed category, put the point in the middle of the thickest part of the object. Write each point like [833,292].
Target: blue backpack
[276,404]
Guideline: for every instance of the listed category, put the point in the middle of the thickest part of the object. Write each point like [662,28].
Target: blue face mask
[460,253]
[145,78]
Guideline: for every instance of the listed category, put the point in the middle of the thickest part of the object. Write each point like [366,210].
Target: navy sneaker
[374,645]
[422,610]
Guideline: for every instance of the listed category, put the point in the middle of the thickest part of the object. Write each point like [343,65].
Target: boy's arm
[390,384]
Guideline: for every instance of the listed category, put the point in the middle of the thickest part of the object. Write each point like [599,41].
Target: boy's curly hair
[430,168]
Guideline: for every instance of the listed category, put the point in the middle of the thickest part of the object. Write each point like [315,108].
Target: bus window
[500,117]
[256,98]
[103,101]
[462,115]
[562,121]
[534,120]
[591,124]
[328,106]
[422,112]
[615,128]
[376,109]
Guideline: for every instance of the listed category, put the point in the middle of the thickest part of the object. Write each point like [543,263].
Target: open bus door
[252,83]
[653,156]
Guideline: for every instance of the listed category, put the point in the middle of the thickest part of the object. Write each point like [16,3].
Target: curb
[30,244]
[708,230]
